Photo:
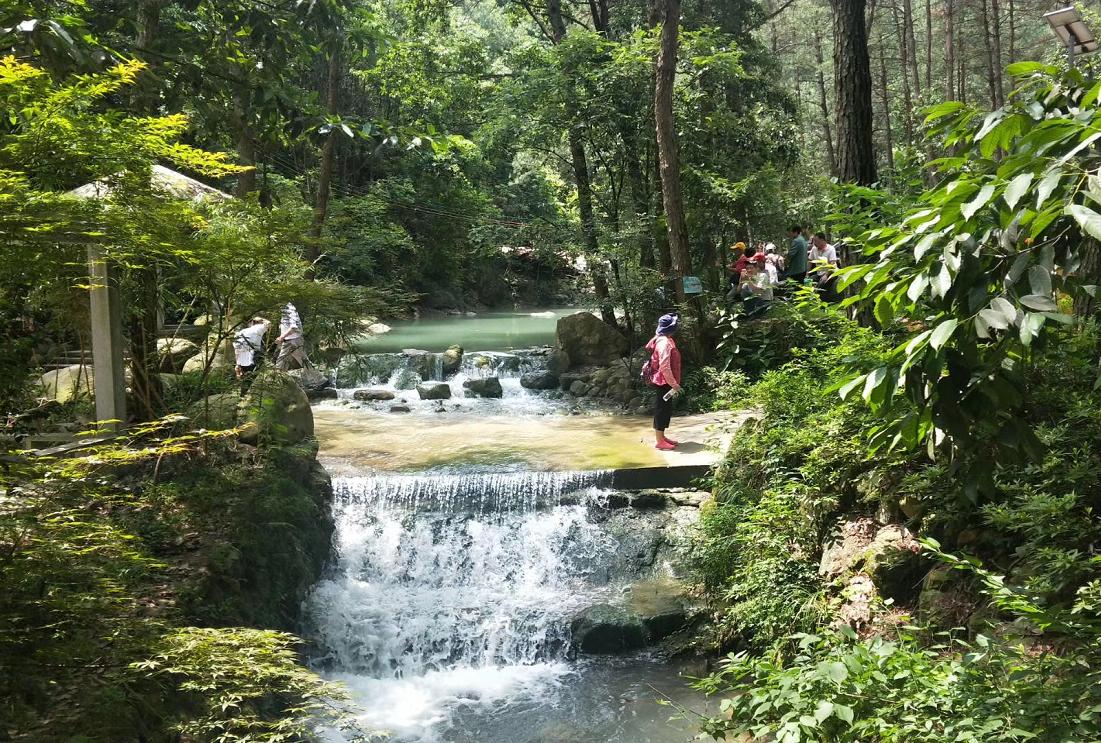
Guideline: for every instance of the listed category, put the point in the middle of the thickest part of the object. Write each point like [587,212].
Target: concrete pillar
[107,338]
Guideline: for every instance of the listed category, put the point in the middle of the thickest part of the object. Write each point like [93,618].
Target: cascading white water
[455,589]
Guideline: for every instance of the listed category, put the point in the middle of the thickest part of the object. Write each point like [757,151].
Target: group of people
[248,343]
[756,273]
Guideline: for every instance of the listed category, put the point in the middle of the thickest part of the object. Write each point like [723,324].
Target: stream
[459,572]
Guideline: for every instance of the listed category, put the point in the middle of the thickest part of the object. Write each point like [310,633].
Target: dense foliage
[110,559]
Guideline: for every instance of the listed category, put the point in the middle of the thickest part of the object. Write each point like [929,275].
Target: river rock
[373,395]
[275,410]
[488,387]
[434,391]
[579,388]
[359,369]
[407,379]
[660,605]
[565,381]
[66,383]
[173,353]
[400,409]
[311,380]
[587,339]
[452,360]
[558,361]
[539,380]
[325,394]
[605,628]
[421,362]
[217,350]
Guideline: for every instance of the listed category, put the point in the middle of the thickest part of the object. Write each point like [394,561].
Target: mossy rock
[275,410]
[67,383]
[215,412]
[452,360]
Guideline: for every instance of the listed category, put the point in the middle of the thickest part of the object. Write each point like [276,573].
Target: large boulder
[452,360]
[887,555]
[539,380]
[219,353]
[653,610]
[421,362]
[488,387]
[215,412]
[606,628]
[587,339]
[65,384]
[174,353]
[434,391]
[311,380]
[275,410]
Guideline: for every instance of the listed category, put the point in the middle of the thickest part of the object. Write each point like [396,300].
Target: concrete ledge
[642,478]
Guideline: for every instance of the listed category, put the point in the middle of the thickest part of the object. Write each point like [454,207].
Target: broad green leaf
[1039,280]
[838,672]
[884,309]
[1004,307]
[1030,327]
[942,333]
[843,713]
[924,244]
[942,282]
[1046,186]
[1091,97]
[1087,219]
[1016,189]
[939,111]
[917,287]
[982,199]
[1022,69]
[824,710]
[848,387]
[994,319]
[1017,270]
[873,380]
[1039,303]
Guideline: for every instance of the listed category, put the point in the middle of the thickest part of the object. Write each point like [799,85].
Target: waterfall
[451,572]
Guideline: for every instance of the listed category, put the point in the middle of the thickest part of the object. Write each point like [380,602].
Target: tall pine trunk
[668,155]
[823,105]
[949,50]
[886,103]
[904,54]
[328,158]
[581,179]
[853,98]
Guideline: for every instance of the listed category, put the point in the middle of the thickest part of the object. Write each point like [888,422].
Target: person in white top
[247,343]
[292,346]
[824,257]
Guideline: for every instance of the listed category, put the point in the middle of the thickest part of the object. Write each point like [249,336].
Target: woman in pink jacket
[665,360]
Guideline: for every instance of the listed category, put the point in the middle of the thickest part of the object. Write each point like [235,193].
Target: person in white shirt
[292,346]
[248,343]
[824,257]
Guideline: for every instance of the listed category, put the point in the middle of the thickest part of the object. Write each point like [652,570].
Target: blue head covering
[667,324]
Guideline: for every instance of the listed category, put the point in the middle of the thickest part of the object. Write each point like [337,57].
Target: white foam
[417,709]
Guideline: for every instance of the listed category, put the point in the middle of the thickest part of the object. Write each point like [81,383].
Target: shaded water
[490,331]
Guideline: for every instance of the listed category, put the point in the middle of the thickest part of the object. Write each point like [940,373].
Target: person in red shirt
[665,359]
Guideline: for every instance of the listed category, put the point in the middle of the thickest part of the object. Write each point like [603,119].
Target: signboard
[692,285]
